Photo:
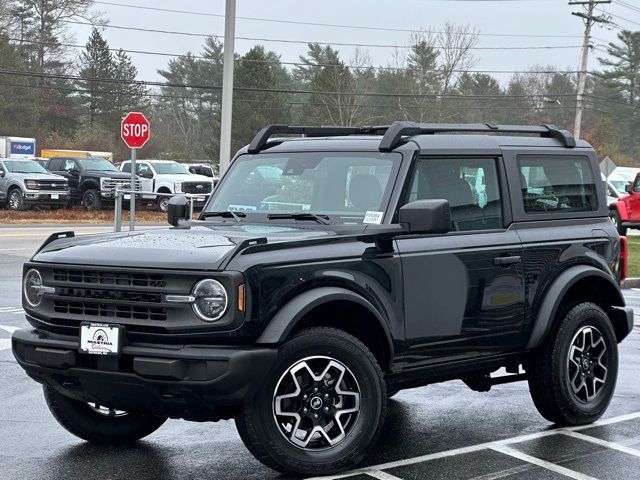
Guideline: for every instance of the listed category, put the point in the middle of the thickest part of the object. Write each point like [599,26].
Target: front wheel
[322,407]
[573,375]
[614,216]
[91,200]
[15,201]
[162,203]
[98,424]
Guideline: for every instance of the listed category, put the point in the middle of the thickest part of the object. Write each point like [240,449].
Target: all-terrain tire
[83,421]
[261,433]
[550,374]
[91,200]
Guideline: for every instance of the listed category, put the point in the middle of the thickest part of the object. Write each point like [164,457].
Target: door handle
[507,261]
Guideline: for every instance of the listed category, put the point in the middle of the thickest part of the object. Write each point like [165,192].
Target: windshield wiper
[323,219]
[225,214]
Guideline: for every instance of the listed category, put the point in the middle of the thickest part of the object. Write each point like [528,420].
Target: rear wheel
[573,375]
[98,424]
[614,216]
[322,406]
[91,200]
[15,200]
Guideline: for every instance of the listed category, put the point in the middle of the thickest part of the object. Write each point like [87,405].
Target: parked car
[25,183]
[92,181]
[625,213]
[168,177]
[378,268]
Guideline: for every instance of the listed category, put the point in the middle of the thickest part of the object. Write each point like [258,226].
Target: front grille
[110,184]
[196,187]
[95,309]
[114,294]
[122,279]
[45,185]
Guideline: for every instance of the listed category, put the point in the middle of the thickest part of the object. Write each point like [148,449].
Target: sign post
[135,132]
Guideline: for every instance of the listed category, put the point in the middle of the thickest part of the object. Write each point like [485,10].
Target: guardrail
[120,194]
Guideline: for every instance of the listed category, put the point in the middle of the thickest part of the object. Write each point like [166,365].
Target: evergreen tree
[96,65]
[126,95]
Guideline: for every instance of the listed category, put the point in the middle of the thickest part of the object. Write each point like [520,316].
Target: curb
[633,282]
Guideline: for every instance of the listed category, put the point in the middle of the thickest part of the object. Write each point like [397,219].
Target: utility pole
[227,85]
[589,21]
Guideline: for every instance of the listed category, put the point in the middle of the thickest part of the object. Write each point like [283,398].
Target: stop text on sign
[135,130]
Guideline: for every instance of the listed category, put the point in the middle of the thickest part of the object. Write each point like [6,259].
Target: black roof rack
[393,135]
[259,142]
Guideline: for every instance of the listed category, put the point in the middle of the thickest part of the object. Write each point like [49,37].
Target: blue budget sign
[22,148]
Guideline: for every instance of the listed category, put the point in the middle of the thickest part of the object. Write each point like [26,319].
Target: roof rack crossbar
[393,135]
[260,141]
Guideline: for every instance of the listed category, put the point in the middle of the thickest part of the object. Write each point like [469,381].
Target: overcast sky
[532,17]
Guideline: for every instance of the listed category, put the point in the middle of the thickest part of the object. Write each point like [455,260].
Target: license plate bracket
[100,338]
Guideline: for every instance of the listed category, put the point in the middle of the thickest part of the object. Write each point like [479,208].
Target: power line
[276,62]
[307,42]
[627,5]
[602,10]
[318,24]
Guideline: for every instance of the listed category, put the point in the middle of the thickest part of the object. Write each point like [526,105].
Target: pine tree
[96,64]
[126,95]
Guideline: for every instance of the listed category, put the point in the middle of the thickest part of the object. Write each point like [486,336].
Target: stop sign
[135,130]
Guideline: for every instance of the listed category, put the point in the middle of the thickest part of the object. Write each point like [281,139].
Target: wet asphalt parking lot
[442,431]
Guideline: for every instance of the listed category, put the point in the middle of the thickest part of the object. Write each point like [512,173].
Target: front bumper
[623,320]
[194,382]
[46,196]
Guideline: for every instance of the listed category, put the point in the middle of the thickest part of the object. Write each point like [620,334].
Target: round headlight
[210,300]
[32,282]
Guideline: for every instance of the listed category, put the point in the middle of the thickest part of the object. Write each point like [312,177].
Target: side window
[69,165]
[636,184]
[143,169]
[561,184]
[126,168]
[470,185]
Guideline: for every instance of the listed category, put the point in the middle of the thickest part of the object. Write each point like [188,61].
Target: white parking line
[481,446]
[542,463]
[382,475]
[13,310]
[603,443]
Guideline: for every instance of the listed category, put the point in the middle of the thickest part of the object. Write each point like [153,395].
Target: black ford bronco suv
[328,272]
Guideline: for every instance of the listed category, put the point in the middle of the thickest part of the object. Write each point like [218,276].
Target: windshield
[342,186]
[24,166]
[619,185]
[96,164]
[172,168]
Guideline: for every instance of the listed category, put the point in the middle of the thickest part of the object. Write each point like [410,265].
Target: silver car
[25,183]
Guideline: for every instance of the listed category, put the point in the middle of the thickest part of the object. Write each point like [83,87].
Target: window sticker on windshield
[373,217]
[242,208]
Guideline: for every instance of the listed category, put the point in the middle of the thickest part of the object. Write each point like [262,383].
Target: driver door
[464,290]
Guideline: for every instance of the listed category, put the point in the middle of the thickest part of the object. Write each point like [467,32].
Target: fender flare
[284,321]
[621,208]
[556,293]
[89,185]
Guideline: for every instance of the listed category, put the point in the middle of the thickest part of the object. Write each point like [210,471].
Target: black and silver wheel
[614,216]
[322,407]
[91,200]
[163,203]
[99,424]
[15,200]
[573,376]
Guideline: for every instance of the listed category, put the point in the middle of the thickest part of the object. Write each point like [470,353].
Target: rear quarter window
[557,184]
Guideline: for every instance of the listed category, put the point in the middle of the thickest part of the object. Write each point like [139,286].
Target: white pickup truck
[167,176]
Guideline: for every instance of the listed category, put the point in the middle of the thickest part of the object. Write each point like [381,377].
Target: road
[442,431]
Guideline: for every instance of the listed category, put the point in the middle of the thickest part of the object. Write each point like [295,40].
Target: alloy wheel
[587,364]
[316,403]
[106,411]
[15,200]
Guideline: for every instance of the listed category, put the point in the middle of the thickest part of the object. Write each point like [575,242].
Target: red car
[625,213]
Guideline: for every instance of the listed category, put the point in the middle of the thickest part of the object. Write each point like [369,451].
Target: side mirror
[75,172]
[177,210]
[2,174]
[146,175]
[628,188]
[426,216]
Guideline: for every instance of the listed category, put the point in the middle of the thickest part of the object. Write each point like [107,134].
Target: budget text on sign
[135,130]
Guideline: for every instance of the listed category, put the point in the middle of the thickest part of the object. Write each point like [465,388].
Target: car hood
[197,248]
[103,174]
[39,176]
